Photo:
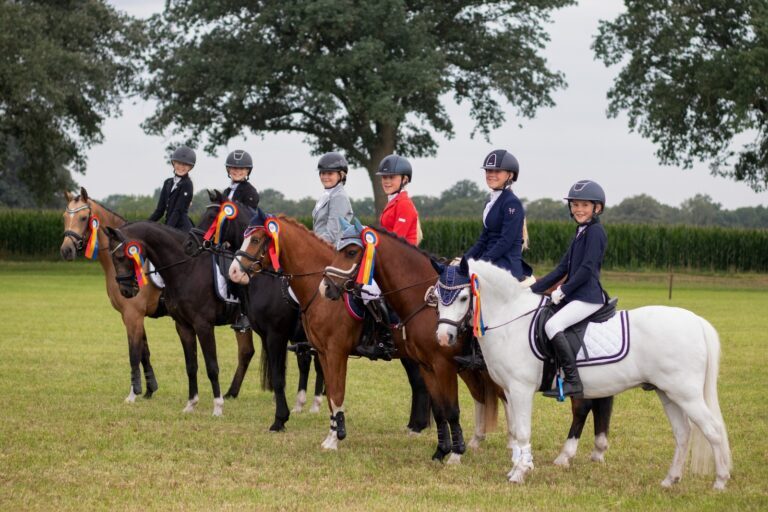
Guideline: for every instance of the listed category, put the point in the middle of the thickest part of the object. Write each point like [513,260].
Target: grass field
[67,440]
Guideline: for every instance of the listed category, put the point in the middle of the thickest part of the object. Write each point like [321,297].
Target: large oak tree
[368,77]
[694,80]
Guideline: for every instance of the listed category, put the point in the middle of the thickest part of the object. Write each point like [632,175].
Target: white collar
[390,197]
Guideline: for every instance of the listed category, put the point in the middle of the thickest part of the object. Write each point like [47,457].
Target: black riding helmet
[334,161]
[240,158]
[184,155]
[394,165]
[502,160]
[586,190]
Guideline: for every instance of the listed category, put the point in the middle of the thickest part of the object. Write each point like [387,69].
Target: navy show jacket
[175,204]
[501,241]
[581,263]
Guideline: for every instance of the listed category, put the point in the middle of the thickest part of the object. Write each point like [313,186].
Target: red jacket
[400,217]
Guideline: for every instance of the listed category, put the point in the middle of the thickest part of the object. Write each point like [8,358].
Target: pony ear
[211,195]
[464,266]
[219,196]
[439,267]
[68,196]
[358,225]
[114,234]
[344,223]
[83,194]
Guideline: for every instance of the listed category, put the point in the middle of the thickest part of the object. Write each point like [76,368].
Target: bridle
[462,324]
[197,234]
[78,239]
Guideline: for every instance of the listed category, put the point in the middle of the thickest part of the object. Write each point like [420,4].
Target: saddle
[359,311]
[574,335]
[221,262]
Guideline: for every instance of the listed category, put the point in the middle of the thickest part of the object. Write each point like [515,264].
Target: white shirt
[494,197]
[232,188]
[176,180]
[390,197]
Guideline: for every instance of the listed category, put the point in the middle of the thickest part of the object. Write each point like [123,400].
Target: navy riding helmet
[502,160]
[586,190]
[394,165]
[184,155]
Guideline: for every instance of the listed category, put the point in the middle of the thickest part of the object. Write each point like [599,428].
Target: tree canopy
[63,67]
[367,77]
[694,80]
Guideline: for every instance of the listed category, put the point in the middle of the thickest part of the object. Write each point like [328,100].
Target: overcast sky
[572,141]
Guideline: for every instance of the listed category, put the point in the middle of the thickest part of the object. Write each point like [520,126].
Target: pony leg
[277,350]
[149,372]
[681,429]
[304,362]
[512,445]
[134,327]
[602,408]
[189,344]
[522,404]
[420,401]
[335,371]
[208,344]
[580,410]
[479,435]
[245,352]
[457,436]
[319,387]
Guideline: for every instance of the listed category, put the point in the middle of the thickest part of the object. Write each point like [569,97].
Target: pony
[408,286]
[189,297]
[270,312]
[300,257]
[672,350]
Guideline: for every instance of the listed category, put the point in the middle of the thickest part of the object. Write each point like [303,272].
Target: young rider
[334,203]
[501,241]
[176,194]
[401,218]
[239,166]
[581,292]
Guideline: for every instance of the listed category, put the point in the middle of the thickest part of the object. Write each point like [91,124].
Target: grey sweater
[333,204]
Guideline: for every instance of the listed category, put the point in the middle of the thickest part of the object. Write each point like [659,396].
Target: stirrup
[242,324]
[300,347]
[568,390]
[470,362]
[376,351]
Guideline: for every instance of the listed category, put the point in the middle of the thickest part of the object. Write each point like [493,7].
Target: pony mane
[77,198]
[496,280]
[298,225]
[405,242]
[160,227]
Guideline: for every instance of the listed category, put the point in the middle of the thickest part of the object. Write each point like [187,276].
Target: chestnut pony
[330,329]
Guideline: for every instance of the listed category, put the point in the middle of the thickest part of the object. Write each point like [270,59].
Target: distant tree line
[466,200]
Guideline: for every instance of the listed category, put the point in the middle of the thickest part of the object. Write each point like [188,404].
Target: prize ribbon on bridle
[92,249]
[133,251]
[273,230]
[478,326]
[370,241]
[227,211]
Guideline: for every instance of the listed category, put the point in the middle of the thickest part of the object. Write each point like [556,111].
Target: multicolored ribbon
[133,251]
[92,249]
[273,230]
[367,264]
[478,326]
[227,211]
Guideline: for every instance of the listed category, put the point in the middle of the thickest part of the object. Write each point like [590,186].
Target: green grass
[67,440]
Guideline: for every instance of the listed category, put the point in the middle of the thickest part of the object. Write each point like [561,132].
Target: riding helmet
[393,165]
[240,158]
[333,161]
[184,155]
[586,190]
[502,160]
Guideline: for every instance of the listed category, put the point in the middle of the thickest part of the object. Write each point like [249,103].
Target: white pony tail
[525,233]
[702,457]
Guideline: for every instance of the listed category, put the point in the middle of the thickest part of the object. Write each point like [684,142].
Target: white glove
[557,296]
[528,282]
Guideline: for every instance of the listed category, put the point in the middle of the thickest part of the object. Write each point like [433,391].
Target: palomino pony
[301,258]
[189,296]
[273,318]
[672,351]
[406,285]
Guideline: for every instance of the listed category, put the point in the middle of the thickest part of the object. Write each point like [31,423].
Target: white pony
[672,349]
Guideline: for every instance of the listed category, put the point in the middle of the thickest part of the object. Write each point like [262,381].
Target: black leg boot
[572,383]
[381,345]
[242,324]
[473,360]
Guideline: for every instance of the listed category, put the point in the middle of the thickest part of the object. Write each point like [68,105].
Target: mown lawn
[67,440]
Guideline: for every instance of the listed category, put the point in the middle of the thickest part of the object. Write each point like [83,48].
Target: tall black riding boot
[571,383]
[242,324]
[381,345]
[472,359]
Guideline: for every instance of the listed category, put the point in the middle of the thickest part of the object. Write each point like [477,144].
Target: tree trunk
[384,146]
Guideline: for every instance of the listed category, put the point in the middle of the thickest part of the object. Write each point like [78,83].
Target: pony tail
[525,233]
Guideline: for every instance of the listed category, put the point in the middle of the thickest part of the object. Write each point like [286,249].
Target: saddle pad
[606,342]
[156,278]
[355,307]
[220,284]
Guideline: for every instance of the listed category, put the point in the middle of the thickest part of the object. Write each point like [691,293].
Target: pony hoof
[517,477]
[331,442]
[218,406]
[454,459]
[298,408]
[191,404]
[413,433]
[475,442]
[149,394]
[670,481]
[131,398]
[598,457]
[316,405]
[230,396]
[719,484]
[277,426]
[563,461]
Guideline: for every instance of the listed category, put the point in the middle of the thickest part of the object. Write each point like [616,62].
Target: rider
[334,203]
[581,292]
[239,165]
[401,218]
[176,194]
[503,237]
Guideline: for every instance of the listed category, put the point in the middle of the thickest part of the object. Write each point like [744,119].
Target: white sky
[572,141]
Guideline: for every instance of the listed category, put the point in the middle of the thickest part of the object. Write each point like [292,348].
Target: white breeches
[572,313]
[371,292]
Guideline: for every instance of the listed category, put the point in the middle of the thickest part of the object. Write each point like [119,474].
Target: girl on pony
[239,165]
[503,237]
[176,195]
[581,292]
[334,203]
[401,218]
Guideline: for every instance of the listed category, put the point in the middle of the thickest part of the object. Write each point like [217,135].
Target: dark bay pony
[405,273]
[274,319]
[331,330]
[189,296]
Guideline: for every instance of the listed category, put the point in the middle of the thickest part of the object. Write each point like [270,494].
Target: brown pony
[405,286]
[330,329]
[77,231]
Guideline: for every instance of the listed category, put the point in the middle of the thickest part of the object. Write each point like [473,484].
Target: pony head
[125,264]
[77,218]
[340,274]
[454,303]
[253,256]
